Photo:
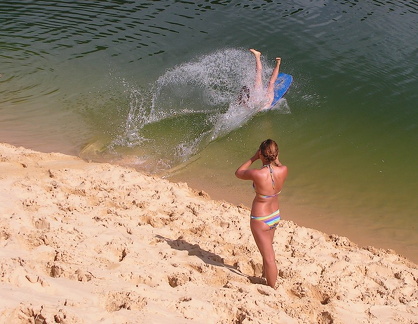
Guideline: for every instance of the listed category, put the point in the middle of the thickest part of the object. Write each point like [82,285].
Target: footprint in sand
[118,300]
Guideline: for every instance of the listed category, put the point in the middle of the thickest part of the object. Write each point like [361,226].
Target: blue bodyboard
[281,86]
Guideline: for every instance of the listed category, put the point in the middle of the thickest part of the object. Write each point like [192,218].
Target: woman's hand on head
[244,172]
[256,156]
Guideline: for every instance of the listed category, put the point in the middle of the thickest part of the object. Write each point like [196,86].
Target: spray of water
[187,107]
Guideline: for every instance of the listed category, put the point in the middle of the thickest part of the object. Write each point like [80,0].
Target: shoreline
[113,244]
[312,217]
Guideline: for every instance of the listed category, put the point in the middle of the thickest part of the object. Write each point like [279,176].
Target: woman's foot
[255,52]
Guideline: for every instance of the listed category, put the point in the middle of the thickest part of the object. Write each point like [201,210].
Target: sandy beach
[99,243]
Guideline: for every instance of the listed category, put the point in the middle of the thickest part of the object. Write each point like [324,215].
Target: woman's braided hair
[269,150]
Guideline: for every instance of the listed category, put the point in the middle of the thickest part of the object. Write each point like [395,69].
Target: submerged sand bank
[86,242]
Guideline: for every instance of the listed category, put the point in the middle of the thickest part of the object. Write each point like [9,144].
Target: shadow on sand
[207,257]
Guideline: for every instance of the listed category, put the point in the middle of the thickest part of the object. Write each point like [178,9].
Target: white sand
[88,243]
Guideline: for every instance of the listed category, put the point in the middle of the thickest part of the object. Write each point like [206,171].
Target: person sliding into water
[261,97]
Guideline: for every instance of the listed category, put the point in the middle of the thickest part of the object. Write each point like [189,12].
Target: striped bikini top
[272,183]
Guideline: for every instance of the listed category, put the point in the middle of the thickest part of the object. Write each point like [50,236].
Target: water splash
[207,84]
[136,117]
[186,108]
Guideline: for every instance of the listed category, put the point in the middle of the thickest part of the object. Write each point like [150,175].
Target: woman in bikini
[265,214]
[262,97]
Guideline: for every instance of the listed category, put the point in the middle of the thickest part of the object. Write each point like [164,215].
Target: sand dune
[88,243]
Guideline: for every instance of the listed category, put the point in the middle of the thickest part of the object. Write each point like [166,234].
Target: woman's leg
[258,85]
[273,78]
[263,237]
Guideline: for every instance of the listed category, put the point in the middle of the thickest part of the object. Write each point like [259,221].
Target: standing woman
[265,214]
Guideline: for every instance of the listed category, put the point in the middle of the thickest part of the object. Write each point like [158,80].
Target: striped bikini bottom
[271,220]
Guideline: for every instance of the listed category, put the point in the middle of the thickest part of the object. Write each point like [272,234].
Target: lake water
[152,84]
